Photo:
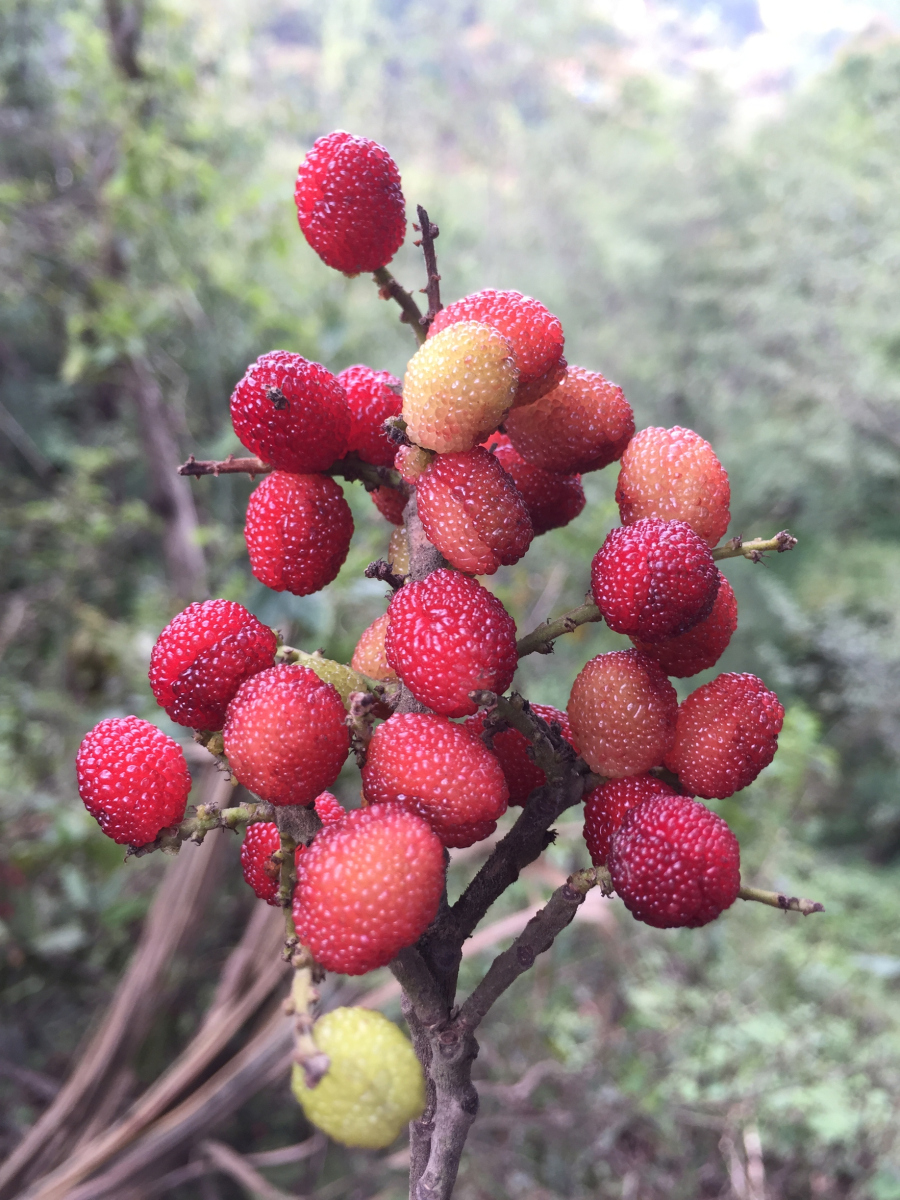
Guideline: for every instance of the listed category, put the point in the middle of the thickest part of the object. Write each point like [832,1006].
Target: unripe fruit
[349,203]
[373,396]
[701,647]
[726,732]
[674,474]
[374,1085]
[390,502]
[285,736]
[605,808]
[411,461]
[473,513]
[521,773]
[622,710]
[458,386]
[583,425]
[674,863]
[133,779]
[535,334]
[342,678]
[298,530]
[398,552]
[370,656]
[261,841]
[654,579]
[440,770]
[203,656]
[367,886]
[291,413]
[448,636]
[552,500]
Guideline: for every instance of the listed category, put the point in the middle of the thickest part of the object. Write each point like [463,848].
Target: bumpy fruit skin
[674,863]
[370,656]
[133,779]
[390,502]
[726,732]
[349,203]
[622,709]
[203,656]
[511,748]
[440,770]
[674,474]
[605,808]
[473,513]
[291,413]
[654,579]
[373,396]
[398,552]
[411,461]
[583,425]
[374,1085]
[298,530]
[552,500]
[261,841]
[448,636]
[458,386]
[535,334]
[701,647]
[285,737]
[367,886]
[329,809]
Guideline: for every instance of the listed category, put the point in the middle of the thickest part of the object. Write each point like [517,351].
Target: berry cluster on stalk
[478,450]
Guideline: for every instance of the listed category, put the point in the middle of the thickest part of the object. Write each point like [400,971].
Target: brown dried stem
[350,467]
[780,900]
[432,288]
[411,314]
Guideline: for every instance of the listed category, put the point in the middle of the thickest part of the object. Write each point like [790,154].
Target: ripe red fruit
[674,474]
[349,203]
[203,656]
[472,512]
[261,841]
[367,886]
[726,732]
[654,579]
[552,500]
[298,532]
[584,424]
[390,502]
[522,775]
[133,778]
[674,863]
[701,647]
[448,636]
[373,396]
[440,770]
[370,657]
[329,809]
[622,710]
[291,413]
[605,808]
[535,334]
[285,736]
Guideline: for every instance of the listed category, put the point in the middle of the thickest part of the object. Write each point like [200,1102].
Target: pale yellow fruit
[398,552]
[342,678]
[374,1085]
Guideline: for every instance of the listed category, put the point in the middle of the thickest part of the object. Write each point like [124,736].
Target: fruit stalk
[411,314]
[736,547]
[350,467]
[540,640]
[196,827]
[780,900]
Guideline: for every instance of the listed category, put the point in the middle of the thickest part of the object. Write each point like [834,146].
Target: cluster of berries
[499,430]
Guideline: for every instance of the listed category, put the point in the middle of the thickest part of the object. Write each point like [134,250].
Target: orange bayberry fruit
[701,647]
[458,386]
[674,474]
[370,657]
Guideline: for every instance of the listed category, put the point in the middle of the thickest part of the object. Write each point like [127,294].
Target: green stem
[738,548]
[541,640]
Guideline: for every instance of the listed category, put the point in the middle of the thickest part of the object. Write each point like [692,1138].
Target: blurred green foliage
[743,284]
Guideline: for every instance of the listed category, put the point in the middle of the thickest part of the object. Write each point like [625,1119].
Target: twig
[379,569]
[351,467]
[360,720]
[252,466]
[195,827]
[303,999]
[413,975]
[541,640]
[736,547]
[390,289]
[780,900]
[432,288]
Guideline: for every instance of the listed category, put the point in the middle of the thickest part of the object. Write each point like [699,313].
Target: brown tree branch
[411,314]
[432,288]
[350,467]
[540,640]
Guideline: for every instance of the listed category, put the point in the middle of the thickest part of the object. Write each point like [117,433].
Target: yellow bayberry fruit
[374,1085]
[342,678]
[398,552]
[458,386]
[370,656]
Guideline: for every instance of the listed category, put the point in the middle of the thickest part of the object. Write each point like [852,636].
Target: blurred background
[708,196]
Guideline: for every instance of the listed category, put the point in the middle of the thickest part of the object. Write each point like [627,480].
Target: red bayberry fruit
[472,512]
[370,657]
[373,396]
[298,532]
[654,579]
[622,710]
[701,647]
[367,886]
[285,736]
[390,503]
[349,203]
[329,809]
[584,424]
[674,863]
[261,841]
[674,474]
[535,334]
[511,748]
[552,500]
[133,779]
[203,656]
[440,770]
[292,413]
[448,636]
[726,732]
[605,808]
